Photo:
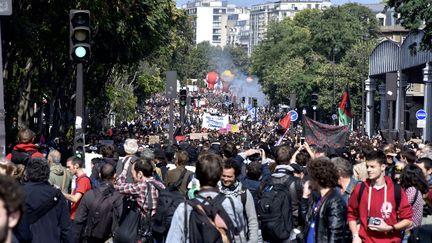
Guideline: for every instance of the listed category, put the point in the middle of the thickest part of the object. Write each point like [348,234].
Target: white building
[238,27]
[263,14]
[210,21]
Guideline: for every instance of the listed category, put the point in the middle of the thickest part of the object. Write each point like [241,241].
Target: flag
[322,134]
[344,109]
[286,121]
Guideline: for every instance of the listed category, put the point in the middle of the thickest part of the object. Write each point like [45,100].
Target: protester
[59,175]
[25,148]
[325,218]
[82,182]
[346,181]
[142,174]
[130,147]
[180,173]
[381,219]
[46,216]
[415,185]
[244,202]
[208,172]
[11,207]
[95,216]
[7,168]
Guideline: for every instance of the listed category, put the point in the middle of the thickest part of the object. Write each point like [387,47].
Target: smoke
[240,84]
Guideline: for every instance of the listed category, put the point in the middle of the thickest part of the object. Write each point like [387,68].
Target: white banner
[214,122]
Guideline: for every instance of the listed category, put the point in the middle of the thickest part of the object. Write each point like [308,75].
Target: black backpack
[133,226]
[167,203]
[274,211]
[22,156]
[100,221]
[201,223]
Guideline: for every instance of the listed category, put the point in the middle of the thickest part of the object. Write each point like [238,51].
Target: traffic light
[243,100]
[314,101]
[79,28]
[183,97]
[254,102]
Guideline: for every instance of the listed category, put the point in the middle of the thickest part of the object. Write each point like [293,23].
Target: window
[216,18]
[317,6]
[219,11]
[309,6]
[381,21]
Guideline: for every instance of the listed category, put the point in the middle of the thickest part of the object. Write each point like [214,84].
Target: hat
[130,146]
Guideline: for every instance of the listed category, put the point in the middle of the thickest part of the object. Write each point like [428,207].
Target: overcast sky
[251,2]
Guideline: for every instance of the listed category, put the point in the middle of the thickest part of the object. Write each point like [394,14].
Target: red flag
[286,121]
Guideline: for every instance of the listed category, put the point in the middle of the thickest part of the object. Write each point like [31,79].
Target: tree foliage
[415,15]
[296,56]
[124,34]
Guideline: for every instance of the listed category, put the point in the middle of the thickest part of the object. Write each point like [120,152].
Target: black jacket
[40,223]
[96,215]
[331,218]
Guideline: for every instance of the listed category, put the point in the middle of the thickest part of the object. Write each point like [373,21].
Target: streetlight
[365,38]
[334,52]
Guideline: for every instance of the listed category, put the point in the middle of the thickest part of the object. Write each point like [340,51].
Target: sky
[252,2]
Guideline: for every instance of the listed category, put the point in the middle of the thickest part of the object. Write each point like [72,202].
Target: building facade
[238,27]
[262,15]
[209,22]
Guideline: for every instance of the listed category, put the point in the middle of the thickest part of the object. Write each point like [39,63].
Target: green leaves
[296,56]
[414,15]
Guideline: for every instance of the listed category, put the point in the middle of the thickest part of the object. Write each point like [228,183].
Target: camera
[374,221]
[302,139]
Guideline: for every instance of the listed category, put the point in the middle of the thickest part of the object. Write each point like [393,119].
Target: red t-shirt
[356,211]
[83,184]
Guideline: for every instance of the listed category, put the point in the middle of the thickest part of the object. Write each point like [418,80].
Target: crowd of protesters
[249,186]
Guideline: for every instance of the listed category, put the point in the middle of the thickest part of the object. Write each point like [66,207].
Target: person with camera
[380,205]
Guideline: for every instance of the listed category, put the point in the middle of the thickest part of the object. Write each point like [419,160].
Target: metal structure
[412,65]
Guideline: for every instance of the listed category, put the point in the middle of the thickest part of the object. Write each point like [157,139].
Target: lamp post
[365,38]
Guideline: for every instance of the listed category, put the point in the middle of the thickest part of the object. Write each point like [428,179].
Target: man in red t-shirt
[82,182]
[377,208]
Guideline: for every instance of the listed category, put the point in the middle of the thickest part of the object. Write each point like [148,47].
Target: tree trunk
[24,95]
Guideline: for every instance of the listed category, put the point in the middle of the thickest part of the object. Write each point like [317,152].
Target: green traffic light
[80,52]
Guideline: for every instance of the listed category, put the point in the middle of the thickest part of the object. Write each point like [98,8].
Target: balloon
[227,76]
[212,78]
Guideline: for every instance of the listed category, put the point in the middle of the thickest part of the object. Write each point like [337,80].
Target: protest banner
[214,122]
[198,136]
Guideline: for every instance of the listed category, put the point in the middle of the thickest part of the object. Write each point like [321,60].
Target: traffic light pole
[79,140]
[171,123]
[182,119]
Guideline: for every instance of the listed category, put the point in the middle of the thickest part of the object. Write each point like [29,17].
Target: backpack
[202,226]
[22,156]
[100,221]
[94,183]
[133,226]
[274,211]
[167,203]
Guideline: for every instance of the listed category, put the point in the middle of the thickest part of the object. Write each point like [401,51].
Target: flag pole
[280,139]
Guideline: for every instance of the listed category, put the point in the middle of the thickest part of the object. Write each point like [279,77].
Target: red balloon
[212,78]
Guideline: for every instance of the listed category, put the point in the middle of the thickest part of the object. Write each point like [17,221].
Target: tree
[341,27]
[36,58]
[415,15]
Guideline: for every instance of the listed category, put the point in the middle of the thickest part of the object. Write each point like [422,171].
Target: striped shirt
[139,192]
